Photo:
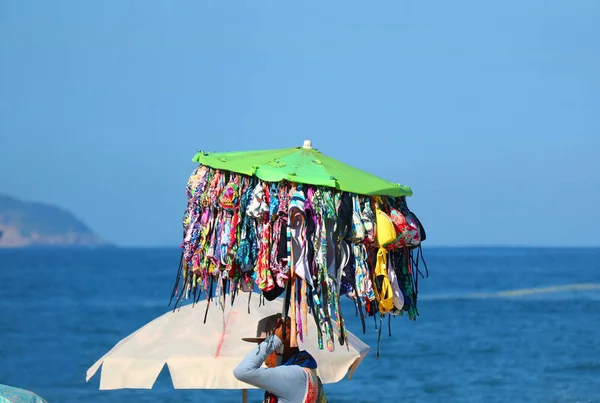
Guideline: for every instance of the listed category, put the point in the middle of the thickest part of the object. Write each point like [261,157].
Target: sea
[495,325]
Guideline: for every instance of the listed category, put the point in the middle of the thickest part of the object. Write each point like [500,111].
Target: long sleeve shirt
[287,382]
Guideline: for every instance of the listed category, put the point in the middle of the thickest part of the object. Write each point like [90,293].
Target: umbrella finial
[307,144]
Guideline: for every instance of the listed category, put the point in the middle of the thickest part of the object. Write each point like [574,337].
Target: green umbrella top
[302,165]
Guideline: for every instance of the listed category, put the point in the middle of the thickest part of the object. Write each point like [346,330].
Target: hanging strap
[312,304]
[177,278]
[379,335]
[208,298]
[250,298]
[359,307]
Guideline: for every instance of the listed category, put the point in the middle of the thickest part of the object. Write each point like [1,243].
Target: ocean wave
[594,288]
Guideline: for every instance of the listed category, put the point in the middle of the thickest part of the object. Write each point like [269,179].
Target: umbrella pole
[244,395]
[286,306]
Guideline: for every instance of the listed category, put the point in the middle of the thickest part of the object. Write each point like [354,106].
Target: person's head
[274,325]
[285,337]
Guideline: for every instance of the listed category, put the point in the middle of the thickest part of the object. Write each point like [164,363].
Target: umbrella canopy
[10,394]
[203,355]
[303,165]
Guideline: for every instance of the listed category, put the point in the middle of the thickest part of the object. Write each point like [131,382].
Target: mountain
[38,224]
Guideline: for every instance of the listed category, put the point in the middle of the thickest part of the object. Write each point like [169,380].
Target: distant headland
[27,224]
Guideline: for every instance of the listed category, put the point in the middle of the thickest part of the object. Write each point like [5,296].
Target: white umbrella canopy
[203,355]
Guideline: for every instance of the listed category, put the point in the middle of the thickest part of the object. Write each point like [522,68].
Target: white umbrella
[203,355]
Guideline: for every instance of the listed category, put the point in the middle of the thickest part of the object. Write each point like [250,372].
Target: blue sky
[490,111]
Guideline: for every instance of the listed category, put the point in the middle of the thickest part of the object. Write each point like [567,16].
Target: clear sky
[490,111]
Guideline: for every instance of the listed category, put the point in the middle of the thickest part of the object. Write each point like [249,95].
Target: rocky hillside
[38,224]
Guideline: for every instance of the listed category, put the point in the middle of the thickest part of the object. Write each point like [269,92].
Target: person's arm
[287,382]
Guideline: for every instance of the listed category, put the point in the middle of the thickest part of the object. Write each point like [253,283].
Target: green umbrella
[302,165]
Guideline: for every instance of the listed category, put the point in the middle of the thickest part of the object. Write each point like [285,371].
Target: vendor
[295,380]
